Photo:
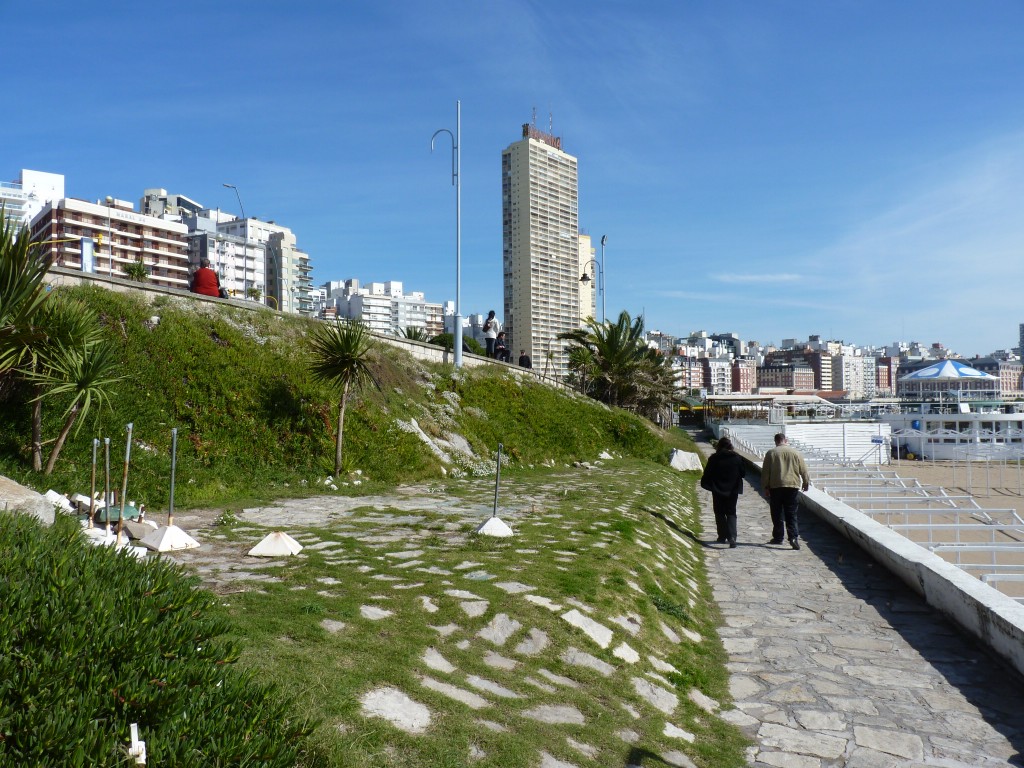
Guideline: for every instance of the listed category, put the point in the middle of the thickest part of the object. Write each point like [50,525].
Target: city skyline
[781,170]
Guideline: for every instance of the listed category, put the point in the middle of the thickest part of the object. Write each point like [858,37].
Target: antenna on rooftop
[534,122]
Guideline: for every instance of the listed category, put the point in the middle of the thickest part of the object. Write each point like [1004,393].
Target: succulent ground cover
[587,639]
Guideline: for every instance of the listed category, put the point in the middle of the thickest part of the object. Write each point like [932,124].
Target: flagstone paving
[836,664]
[488,652]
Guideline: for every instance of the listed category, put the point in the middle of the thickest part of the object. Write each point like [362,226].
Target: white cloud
[754,278]
[944,259]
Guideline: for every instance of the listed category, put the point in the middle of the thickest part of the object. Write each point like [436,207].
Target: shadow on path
[841,595]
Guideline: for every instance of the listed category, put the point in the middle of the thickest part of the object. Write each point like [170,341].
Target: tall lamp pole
[457,182]
[110,241]
[599,272]
[604,277]
[245,245]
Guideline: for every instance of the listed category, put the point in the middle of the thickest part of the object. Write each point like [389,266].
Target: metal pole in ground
[106,481]
[497,482]
[92,485]
[174,457]
[124,485]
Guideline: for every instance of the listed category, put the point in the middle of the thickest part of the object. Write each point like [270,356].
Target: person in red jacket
[205,280]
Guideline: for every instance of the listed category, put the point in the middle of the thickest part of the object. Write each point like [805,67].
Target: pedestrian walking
[783,475]
[723,476]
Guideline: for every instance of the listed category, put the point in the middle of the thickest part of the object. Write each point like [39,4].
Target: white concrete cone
[276,544]
[168,538]
[98,535]
[493,526]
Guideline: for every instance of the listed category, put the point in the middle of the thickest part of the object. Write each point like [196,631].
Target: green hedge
[93,640]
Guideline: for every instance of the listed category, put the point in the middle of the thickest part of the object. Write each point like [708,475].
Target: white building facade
[105,238]
[24,198]
[541,250]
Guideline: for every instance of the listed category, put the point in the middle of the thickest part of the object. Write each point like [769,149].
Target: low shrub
[94,640]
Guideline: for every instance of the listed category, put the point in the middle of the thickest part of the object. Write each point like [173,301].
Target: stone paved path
[834,663]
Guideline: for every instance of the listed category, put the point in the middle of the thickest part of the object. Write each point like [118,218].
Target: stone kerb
[987,614]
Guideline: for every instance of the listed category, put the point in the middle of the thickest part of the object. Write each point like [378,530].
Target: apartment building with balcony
[24,198]
[542,258]
[240,263]
[289,272]
[104,238]
[787,376]
[717,375]
[383,307]
[744,375]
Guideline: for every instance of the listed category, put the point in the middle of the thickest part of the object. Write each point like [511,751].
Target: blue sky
[776,169]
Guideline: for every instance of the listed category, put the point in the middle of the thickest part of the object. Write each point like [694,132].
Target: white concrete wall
[984,612]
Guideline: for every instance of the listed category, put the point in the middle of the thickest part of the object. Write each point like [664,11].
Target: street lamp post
[245,244]
[110,242]
[457,182]
[599,271]
[604,285]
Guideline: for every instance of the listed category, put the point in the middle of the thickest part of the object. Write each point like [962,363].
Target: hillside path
[834,663]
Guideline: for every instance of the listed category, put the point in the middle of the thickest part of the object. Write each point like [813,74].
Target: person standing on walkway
[524,359]
[491,328]
[723,476]
[783,475]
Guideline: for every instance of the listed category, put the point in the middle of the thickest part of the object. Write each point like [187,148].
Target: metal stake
[174,457]
[92,485]
[124,485]
[106,481]
[497,482]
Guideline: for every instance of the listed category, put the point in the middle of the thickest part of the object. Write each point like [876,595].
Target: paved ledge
[984,612]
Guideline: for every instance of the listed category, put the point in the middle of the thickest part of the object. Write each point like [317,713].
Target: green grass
[327,673]
[253,424]
[253,427]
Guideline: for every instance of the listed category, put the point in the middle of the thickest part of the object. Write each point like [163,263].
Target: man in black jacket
[723,476]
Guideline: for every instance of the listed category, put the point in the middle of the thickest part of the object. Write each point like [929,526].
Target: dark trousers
[725,515]
[784,503]
[490,346]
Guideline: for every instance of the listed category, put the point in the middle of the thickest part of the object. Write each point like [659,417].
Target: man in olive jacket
[783,475]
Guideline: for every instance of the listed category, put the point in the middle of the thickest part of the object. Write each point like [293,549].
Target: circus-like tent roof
[947,370]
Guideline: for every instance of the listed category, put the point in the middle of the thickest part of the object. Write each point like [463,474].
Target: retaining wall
[987,614]
[60,276]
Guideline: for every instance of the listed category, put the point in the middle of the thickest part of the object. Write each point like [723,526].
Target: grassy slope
[252,425]
[619,539]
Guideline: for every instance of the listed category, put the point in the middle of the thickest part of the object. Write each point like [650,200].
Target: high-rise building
[541,253]
[288,270]
[22,200]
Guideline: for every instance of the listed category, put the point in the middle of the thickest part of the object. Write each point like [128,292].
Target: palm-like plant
[72,358]
[612,363]
[86,372]
[416,334]
[340,353]
[137,271]
[23,266]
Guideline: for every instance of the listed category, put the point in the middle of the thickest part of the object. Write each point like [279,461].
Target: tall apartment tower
[541,251]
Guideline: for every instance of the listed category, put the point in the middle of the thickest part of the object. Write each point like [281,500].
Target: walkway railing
[987,543]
